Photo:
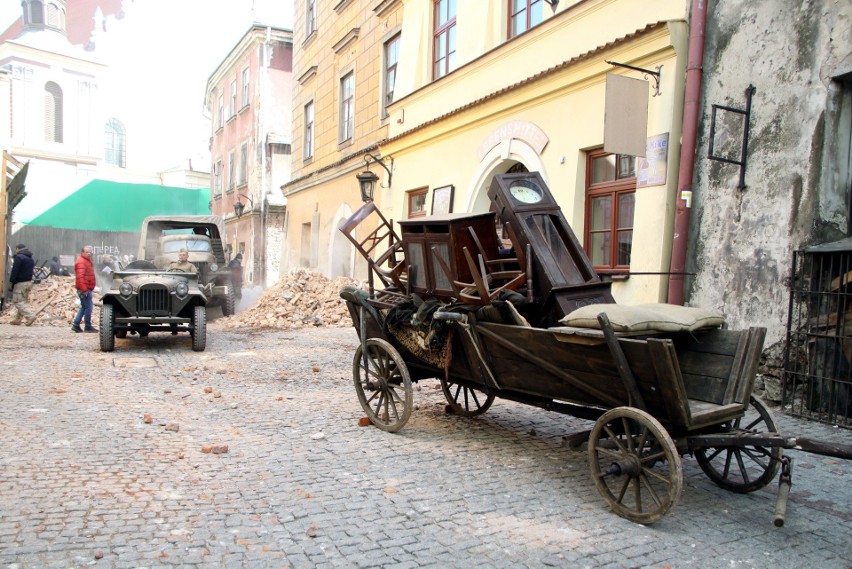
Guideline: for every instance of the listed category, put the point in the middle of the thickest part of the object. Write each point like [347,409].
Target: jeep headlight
[182,289]
[126,289]
[214,267]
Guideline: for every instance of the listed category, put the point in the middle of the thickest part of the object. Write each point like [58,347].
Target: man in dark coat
[22,282]
[236,267]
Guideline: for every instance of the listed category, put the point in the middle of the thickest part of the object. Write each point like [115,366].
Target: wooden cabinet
[446,236]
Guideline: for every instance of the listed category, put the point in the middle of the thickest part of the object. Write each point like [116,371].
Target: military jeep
[144,299]
[162,238]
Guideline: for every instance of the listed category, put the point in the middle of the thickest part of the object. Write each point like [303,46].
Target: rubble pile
[54,299]
[299,299]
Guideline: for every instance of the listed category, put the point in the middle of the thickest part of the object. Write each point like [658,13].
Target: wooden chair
[381,248]
[490,276]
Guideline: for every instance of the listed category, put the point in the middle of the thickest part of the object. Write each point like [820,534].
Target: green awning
[101,205]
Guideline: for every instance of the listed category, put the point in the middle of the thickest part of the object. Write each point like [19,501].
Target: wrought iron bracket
[743,153]
[646,72]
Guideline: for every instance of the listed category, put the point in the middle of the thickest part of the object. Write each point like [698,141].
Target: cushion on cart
[645,317]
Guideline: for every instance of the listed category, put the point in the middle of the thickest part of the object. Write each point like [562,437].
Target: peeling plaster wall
[741,241]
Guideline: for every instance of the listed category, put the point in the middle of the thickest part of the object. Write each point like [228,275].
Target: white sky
[161,56]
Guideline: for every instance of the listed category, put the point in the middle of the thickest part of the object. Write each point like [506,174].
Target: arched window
[55,16]
[116,143]
[35,12]
[52,112]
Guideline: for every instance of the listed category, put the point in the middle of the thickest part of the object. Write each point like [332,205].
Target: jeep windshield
[191,245]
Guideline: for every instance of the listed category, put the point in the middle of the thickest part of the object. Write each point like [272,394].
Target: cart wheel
[466,401]
[383,386]
[747,468]
[635,464]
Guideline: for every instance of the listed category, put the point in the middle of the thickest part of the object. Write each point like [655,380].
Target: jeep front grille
[153,299]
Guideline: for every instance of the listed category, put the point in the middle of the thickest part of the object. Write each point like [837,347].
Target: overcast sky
[161,58]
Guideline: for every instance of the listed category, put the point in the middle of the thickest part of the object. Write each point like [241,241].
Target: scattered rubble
[300,299]
[54,299]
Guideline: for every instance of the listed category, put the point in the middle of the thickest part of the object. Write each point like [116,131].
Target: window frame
[310,17]
[388,68]
[232,101]
[528,13]
[217,179]
[242,173]
[246,77]
[231,175]
[309,131]
[346,110]
[443,33]
[411,195]
[221,110]
[614,189]
[115,145]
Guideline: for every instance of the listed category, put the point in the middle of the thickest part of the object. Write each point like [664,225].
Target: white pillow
[645,317]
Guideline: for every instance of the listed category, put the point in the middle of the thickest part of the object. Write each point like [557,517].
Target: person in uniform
[182,265]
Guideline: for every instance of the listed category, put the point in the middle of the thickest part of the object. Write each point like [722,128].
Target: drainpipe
[697,21]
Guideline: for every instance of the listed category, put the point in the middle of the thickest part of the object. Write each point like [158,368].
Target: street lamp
[367,180]
[239,207]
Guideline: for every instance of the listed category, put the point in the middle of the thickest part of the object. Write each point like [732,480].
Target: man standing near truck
[21,279]
[85,283]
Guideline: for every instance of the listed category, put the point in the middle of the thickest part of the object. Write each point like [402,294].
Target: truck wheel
[229,306]
[106,331]
[199,325]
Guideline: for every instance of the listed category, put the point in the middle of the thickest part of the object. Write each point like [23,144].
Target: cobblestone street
[103,465]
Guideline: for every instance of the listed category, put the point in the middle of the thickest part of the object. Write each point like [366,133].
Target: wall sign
[652,169]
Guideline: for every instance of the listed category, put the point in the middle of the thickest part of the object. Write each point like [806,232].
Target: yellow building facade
[479,89]
[338,119]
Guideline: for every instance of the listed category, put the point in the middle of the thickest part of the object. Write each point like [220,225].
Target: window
[417,202]
[347,104]
[310,17]
[35,13]
[217,178]
[610,199]
[52,112]
[243,163]
[524,14]
[444,45]
[221,110]
[232,110]
[309,131]
[391,59]
[55,17]
[114,147]
[231,173]
[246,75]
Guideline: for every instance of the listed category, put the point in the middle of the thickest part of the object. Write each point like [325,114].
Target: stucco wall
[741,241]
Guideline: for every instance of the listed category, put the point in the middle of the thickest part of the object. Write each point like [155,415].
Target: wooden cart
[654,396]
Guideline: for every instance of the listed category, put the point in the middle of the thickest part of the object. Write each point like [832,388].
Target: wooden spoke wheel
[635,464]
[466,401]
[746,468]
[383,385]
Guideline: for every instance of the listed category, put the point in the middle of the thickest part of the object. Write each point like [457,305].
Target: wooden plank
[705,414]
[671,386]
[627,378]
[750,364]
[713,341]
[705,364]
[521,349]
[705,388]
[736,370]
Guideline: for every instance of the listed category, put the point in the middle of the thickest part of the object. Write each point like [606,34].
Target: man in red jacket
[85,284]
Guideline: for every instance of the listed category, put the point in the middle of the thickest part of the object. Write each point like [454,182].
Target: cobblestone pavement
[86,481]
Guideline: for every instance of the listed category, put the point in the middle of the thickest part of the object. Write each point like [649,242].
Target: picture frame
[442,200]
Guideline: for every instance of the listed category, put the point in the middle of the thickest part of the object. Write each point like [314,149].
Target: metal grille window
[817,381]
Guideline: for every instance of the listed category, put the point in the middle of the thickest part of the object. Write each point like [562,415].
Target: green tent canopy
[102,205]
